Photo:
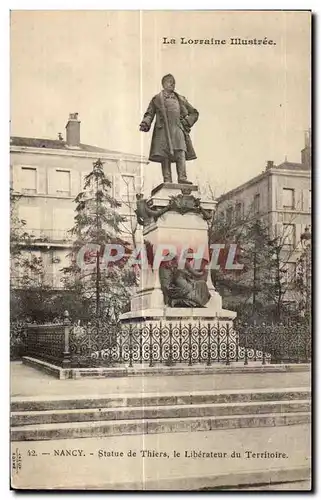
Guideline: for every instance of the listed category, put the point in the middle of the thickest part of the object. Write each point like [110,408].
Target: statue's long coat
[161,145]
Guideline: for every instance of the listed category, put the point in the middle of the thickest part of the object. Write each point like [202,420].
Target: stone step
[276,478]
[158,412]
[34,403]
[37,432]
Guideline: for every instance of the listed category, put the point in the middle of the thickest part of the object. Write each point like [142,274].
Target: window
[127,187]
[289,234]
[288,198]
[59,261]
[290,272]
[83,176]
[29,180]
[63,220]
[229,215]
[32,268]
[256,203]
[32,217]
[62,182]
[291,305]
[238,211]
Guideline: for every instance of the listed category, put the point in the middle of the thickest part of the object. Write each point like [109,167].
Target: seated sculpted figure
[183,287]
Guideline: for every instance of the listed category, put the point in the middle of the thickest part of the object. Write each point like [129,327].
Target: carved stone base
[162,193]
[173,315]
[174,187]
[183,228]
[179,335]
[149,303]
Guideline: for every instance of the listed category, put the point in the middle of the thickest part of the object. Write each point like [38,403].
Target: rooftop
[286,165]
[71,143]
[34,142]
[289,165]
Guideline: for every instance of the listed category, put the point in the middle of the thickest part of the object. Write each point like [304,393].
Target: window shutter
[16,178]
[28,179]
[116,184]
[32,216]
[138,184]
[82,179]
[278,229]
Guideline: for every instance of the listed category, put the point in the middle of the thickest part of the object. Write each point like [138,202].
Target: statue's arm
[165,277]
[193,272]
[144,212]
[154,212]
[193,114]
[148,117]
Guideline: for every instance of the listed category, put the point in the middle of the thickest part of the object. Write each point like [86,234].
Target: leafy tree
[303,281]
[129,225]
[259,289]
[102,290]
[28,288]
[19,237]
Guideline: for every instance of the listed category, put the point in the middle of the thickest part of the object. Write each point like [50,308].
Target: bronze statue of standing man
[171,141]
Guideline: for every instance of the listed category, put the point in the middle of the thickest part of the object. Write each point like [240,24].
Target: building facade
[48,174]
[281,197]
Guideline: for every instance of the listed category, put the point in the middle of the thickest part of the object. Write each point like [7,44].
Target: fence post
[66,354]
[130,345]
[227,344]
[189,344]
[208,344]
[245,347]
[307,342]
[218,341]
[150,344]
[160,343]
[265,330]
[170,353]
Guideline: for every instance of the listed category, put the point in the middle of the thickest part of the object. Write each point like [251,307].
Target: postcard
[160,287]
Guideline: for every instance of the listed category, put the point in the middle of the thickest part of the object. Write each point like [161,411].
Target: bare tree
[265,281]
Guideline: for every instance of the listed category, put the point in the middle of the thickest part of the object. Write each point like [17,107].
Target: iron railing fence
[106,344]
[49,342]
[157,343]
[288,342]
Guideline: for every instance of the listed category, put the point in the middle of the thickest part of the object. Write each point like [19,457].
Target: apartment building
[281,196]
[48,174]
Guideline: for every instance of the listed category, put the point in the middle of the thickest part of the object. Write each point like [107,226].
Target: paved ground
[27,381]
[45,470]
[295,485]
[41,468]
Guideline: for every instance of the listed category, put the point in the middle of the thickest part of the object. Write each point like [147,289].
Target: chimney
[306,151]
[269,164]
[73,131]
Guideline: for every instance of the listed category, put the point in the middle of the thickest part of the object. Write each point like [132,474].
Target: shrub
[17,339]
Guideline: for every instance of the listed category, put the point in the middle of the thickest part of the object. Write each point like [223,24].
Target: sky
[253,101]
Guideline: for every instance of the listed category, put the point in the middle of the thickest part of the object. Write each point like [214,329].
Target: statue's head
[168,82]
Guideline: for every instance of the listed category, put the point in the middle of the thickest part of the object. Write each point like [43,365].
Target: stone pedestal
[183,230]
[187,230]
